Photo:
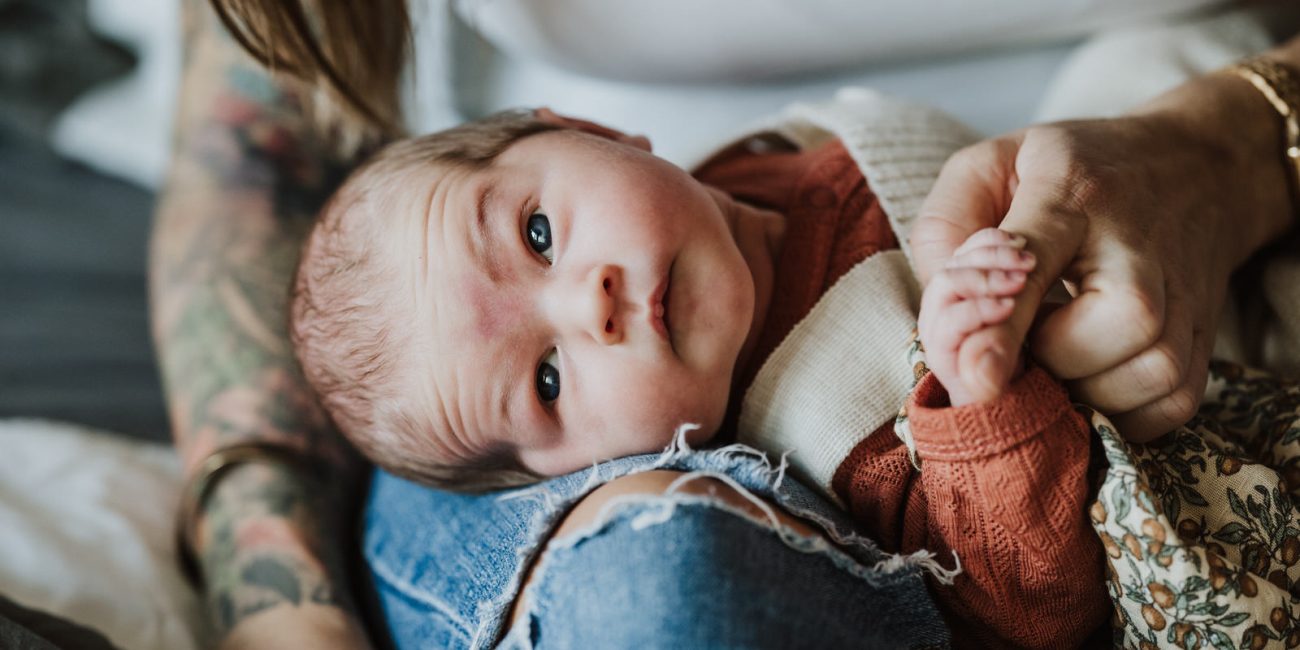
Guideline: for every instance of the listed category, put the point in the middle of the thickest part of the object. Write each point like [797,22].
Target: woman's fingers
[1157,418]
[1152,374]
[1138,213]
[1160,387]
[972,193]
[1119,312]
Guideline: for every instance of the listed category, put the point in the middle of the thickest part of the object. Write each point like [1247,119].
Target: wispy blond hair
[346,319]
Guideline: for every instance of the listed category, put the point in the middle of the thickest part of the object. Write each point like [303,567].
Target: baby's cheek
[667,411]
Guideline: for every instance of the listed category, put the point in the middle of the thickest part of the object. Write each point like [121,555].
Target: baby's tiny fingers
[961,318]
[990,237]
[994,257]
[978,283]
[986,360]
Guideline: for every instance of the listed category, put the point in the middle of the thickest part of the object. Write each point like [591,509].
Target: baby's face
[576,301]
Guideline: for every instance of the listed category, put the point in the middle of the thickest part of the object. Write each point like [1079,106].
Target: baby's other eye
[539,238]
[548,378]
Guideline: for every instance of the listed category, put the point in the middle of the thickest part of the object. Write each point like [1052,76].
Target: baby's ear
[551,117]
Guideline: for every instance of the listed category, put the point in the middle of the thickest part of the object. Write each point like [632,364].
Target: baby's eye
[548,378]
[539,237]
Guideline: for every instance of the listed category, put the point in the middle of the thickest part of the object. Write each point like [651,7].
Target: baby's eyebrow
[484,247]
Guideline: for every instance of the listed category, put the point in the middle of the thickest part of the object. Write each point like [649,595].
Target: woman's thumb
[973,192]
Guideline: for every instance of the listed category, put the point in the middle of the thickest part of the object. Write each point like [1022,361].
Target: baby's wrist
[960,395]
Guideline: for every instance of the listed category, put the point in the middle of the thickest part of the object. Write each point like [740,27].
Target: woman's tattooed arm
[247,177]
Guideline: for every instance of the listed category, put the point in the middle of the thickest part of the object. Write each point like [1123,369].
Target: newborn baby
[523,296]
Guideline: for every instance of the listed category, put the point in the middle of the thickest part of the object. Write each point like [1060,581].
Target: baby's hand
[973,294]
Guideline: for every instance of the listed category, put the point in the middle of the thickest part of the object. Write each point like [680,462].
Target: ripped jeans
[655,571]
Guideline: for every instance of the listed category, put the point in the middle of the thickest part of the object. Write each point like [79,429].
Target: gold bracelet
[1280,85]
[198,487]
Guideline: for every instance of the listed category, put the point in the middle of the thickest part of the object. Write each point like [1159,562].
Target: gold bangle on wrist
[198,487]
[1280,85]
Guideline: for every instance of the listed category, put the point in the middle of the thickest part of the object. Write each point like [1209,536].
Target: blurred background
[74,341]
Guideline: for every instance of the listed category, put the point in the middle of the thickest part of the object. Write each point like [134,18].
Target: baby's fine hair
[346,320]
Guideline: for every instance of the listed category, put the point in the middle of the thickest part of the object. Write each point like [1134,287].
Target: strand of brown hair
[349,53]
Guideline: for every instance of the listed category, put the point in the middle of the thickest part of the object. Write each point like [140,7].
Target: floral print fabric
[1200,527]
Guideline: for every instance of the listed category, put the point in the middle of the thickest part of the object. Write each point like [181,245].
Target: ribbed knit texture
[800,398]
[899,146]
[1004,486]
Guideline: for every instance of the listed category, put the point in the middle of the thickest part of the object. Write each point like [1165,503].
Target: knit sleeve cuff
[943,432]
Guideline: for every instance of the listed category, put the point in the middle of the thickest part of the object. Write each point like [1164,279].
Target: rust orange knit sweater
[1004,484]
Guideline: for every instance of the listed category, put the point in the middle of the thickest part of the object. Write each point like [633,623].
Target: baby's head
[521,297]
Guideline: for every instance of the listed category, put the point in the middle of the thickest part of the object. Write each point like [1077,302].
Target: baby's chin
[693,434]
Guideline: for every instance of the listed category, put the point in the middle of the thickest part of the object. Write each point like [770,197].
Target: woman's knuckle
[1085,183]
[1140,311]
[1180,405]
[1038,283]
[1054,145]
[1162,369]
[1087,187]
[1064,155]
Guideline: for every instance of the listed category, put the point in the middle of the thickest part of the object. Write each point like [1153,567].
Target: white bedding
[86,533]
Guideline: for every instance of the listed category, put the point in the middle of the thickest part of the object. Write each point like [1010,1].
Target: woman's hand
[1145,217]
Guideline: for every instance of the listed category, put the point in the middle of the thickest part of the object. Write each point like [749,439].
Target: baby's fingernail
[1006,302]
[1016,240]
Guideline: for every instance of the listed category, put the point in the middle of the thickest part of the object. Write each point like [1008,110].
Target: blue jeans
[655,571]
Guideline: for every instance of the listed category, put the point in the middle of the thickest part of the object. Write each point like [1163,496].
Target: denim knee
[695,574]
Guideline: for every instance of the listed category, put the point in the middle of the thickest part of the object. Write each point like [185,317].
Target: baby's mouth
[668,289]
[659,307]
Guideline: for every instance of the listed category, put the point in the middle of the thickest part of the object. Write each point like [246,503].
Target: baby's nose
[601,317]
